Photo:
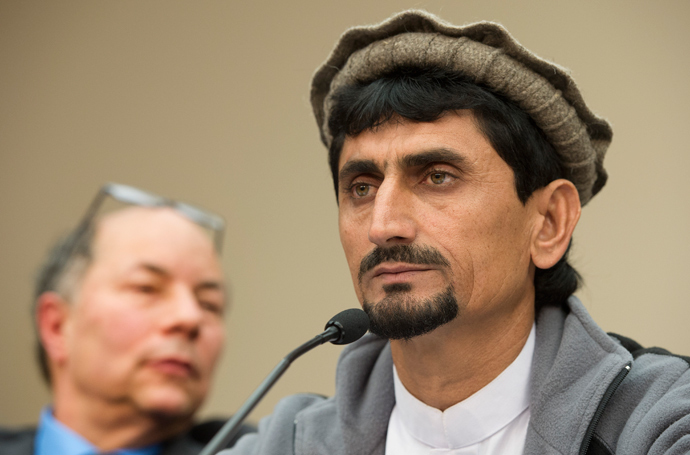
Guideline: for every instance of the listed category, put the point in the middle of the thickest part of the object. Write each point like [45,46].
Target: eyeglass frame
[134,196]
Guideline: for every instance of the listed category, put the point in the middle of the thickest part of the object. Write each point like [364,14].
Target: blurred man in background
[129,313]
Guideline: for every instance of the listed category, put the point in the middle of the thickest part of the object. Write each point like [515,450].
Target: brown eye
[437,178]
[361,189]
[146,289]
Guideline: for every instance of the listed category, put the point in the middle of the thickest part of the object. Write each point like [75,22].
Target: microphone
[343,328]
[350,324]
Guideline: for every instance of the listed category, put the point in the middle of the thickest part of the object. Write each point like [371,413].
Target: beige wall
[207,101]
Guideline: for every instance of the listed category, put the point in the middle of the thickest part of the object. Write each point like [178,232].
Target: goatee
[399,316]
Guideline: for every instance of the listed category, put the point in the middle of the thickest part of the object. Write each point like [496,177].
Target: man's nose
[185,314]
[392,220]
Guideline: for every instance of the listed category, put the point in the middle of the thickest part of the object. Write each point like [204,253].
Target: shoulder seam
[637,350]
[660,351]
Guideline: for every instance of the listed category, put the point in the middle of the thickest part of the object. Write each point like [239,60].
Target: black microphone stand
[226,433]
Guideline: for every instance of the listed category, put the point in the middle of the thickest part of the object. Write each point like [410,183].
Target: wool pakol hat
[487,54]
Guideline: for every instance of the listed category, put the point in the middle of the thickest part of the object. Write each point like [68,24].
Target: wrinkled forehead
[397,139]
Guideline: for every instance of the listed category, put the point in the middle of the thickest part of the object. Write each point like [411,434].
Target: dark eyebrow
[432,156]
[356,167]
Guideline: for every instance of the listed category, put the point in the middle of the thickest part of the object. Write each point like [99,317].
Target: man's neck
[111,427]
[454,361]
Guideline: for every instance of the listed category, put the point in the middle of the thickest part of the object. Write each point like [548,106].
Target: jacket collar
[574,363]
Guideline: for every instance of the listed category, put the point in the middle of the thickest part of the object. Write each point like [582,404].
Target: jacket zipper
[589,434]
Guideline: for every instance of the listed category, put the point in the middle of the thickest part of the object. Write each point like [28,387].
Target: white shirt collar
[476,418]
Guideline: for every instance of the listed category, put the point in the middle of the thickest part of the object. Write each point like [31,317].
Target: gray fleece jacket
[582,398]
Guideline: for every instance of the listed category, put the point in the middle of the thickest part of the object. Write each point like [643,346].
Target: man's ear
[558,206]
[52,314]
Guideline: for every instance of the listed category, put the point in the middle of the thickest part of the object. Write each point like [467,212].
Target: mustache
[412,254]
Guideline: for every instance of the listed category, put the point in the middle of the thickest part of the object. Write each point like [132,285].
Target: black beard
[398,316]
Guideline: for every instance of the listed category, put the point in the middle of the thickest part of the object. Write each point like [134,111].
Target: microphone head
[352,324]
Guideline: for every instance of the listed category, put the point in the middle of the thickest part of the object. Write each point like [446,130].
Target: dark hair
[424,94]
[61,272]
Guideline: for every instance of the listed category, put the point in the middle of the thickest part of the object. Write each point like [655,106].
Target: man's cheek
[125,331]
[211,350]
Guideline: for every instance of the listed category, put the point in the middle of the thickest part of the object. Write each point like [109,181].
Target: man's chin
[401,316]
[168,402]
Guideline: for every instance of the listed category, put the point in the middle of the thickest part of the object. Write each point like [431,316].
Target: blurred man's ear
[52,313]
[558,206]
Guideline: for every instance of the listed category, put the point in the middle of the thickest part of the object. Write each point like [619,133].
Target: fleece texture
[574,364]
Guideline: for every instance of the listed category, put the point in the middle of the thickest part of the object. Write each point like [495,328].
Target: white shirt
[492,421]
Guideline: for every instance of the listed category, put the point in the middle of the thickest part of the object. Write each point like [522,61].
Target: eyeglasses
[130,195]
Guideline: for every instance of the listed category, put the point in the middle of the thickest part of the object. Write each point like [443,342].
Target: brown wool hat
[485,52]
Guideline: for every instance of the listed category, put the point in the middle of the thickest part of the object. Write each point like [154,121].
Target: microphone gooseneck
[344,328]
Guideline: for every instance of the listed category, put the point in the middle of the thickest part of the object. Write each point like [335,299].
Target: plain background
[207,102]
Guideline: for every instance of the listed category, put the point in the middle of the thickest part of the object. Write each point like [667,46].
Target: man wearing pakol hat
[461,161]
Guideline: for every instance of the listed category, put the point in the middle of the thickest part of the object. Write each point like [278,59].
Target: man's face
[432,227]
[145,326]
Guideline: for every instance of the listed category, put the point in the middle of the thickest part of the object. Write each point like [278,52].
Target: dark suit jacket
[21,442]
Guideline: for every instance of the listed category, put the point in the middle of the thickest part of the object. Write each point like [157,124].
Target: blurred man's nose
[185,312]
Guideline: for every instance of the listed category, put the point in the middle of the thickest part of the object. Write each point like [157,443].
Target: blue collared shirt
[54,438]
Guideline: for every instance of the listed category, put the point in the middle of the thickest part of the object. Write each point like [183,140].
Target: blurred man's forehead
[149,222]
[137,215]
[156,235]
